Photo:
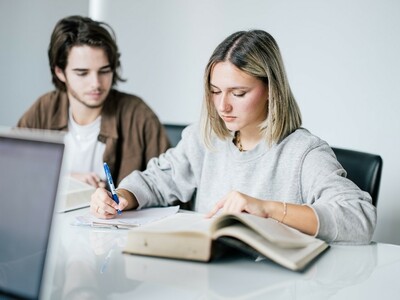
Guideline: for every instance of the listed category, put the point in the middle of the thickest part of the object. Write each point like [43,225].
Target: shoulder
[127,103]
[192,131]
[302,139]
[303,145]
[191,137]
[125,100]
[52,98]
[49,111]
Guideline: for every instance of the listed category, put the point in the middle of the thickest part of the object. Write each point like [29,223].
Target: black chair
[174,133]
[364,169]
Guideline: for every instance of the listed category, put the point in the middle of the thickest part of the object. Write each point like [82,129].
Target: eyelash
[236,95]
[239,95]
[101,73]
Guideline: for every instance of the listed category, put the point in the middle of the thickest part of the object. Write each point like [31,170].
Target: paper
[128,219]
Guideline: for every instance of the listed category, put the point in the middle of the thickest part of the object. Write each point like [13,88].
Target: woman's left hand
[236,202]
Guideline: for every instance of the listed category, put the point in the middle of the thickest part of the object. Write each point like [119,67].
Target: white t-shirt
[84,153]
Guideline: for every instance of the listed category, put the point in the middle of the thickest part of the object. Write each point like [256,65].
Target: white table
[88,263]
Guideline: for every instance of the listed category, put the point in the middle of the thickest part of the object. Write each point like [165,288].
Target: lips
[95,95]
[228,118]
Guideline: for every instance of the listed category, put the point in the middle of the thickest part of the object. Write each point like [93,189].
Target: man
[102,123]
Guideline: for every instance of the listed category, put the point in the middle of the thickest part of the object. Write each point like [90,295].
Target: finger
[102,204]
[101,184]
[215,209]
[97,179]
[123,203]
[101,213]
[92,181]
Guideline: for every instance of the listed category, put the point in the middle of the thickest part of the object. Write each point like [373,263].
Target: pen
[111,185]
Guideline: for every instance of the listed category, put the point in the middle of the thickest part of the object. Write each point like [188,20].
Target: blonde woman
[250,154]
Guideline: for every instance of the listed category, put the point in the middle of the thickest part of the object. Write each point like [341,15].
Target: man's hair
[256,53]
[79,31]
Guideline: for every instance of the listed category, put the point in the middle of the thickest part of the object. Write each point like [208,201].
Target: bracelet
[284,211]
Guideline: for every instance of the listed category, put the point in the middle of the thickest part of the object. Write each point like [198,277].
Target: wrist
[276,210]
[129,197]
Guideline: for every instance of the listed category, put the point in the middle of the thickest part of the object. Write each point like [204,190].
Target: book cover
[74,194]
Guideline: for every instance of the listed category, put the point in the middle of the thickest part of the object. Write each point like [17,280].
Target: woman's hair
[79,31]
[256,53]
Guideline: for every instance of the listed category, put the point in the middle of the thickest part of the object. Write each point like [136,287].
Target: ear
[60,74]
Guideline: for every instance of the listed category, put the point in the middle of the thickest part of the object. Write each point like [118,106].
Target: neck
[247,140]
[82,114]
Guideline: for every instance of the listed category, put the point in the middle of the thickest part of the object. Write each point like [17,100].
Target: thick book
[74,194]
[191,236]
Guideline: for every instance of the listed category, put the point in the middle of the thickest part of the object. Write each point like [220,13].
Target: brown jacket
[131,131]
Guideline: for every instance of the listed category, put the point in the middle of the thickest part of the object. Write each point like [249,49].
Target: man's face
[88,76]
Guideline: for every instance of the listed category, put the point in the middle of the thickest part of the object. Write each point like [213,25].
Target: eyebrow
[83,69]
[232,88]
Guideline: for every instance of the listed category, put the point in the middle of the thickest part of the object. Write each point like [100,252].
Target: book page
[182,222]
[289,257]
[275,232]
[128,219]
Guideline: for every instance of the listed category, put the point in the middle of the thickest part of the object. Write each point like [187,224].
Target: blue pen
[111,185]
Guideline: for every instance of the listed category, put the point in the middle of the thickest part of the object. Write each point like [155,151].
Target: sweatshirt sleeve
[345,213]
[170,177]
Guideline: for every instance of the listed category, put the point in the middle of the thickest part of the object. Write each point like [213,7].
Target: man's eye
[107,71]
[81,73]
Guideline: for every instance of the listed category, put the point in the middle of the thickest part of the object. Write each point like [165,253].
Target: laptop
[30,166]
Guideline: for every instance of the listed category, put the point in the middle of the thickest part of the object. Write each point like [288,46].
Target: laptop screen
[29,176]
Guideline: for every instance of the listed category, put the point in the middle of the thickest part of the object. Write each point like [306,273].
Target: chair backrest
[364,169]
[174,133]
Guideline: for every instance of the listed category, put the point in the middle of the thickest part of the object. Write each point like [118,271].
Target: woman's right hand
[103,206]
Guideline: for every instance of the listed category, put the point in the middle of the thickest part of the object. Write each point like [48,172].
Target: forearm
[300,217]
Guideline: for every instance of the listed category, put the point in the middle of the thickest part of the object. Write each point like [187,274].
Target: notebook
[30,166]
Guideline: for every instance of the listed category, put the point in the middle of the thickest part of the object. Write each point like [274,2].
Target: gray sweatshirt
[301,169]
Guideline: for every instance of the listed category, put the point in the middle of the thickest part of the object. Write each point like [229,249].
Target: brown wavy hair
[79,31]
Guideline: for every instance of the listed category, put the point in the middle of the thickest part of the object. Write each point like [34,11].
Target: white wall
[341,57]
[25,29]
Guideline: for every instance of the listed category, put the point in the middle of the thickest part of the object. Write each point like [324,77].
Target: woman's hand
[236,202]
[300,217]
[103,206]
[90,178]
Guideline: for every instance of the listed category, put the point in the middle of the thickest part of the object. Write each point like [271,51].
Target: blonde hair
[256,53]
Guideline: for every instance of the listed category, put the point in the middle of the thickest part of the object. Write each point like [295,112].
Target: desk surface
[87,263]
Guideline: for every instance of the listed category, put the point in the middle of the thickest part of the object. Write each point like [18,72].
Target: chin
[232,127]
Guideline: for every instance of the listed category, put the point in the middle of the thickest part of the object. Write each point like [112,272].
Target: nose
[95,81]
[224,104]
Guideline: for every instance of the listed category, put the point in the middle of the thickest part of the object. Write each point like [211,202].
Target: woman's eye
[215,92]
[239,94]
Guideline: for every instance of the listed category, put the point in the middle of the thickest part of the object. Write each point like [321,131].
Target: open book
[74,194]
[193,237]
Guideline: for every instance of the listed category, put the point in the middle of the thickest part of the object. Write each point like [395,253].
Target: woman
[250,154]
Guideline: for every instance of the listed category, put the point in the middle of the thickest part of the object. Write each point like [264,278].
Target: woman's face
[240,99]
